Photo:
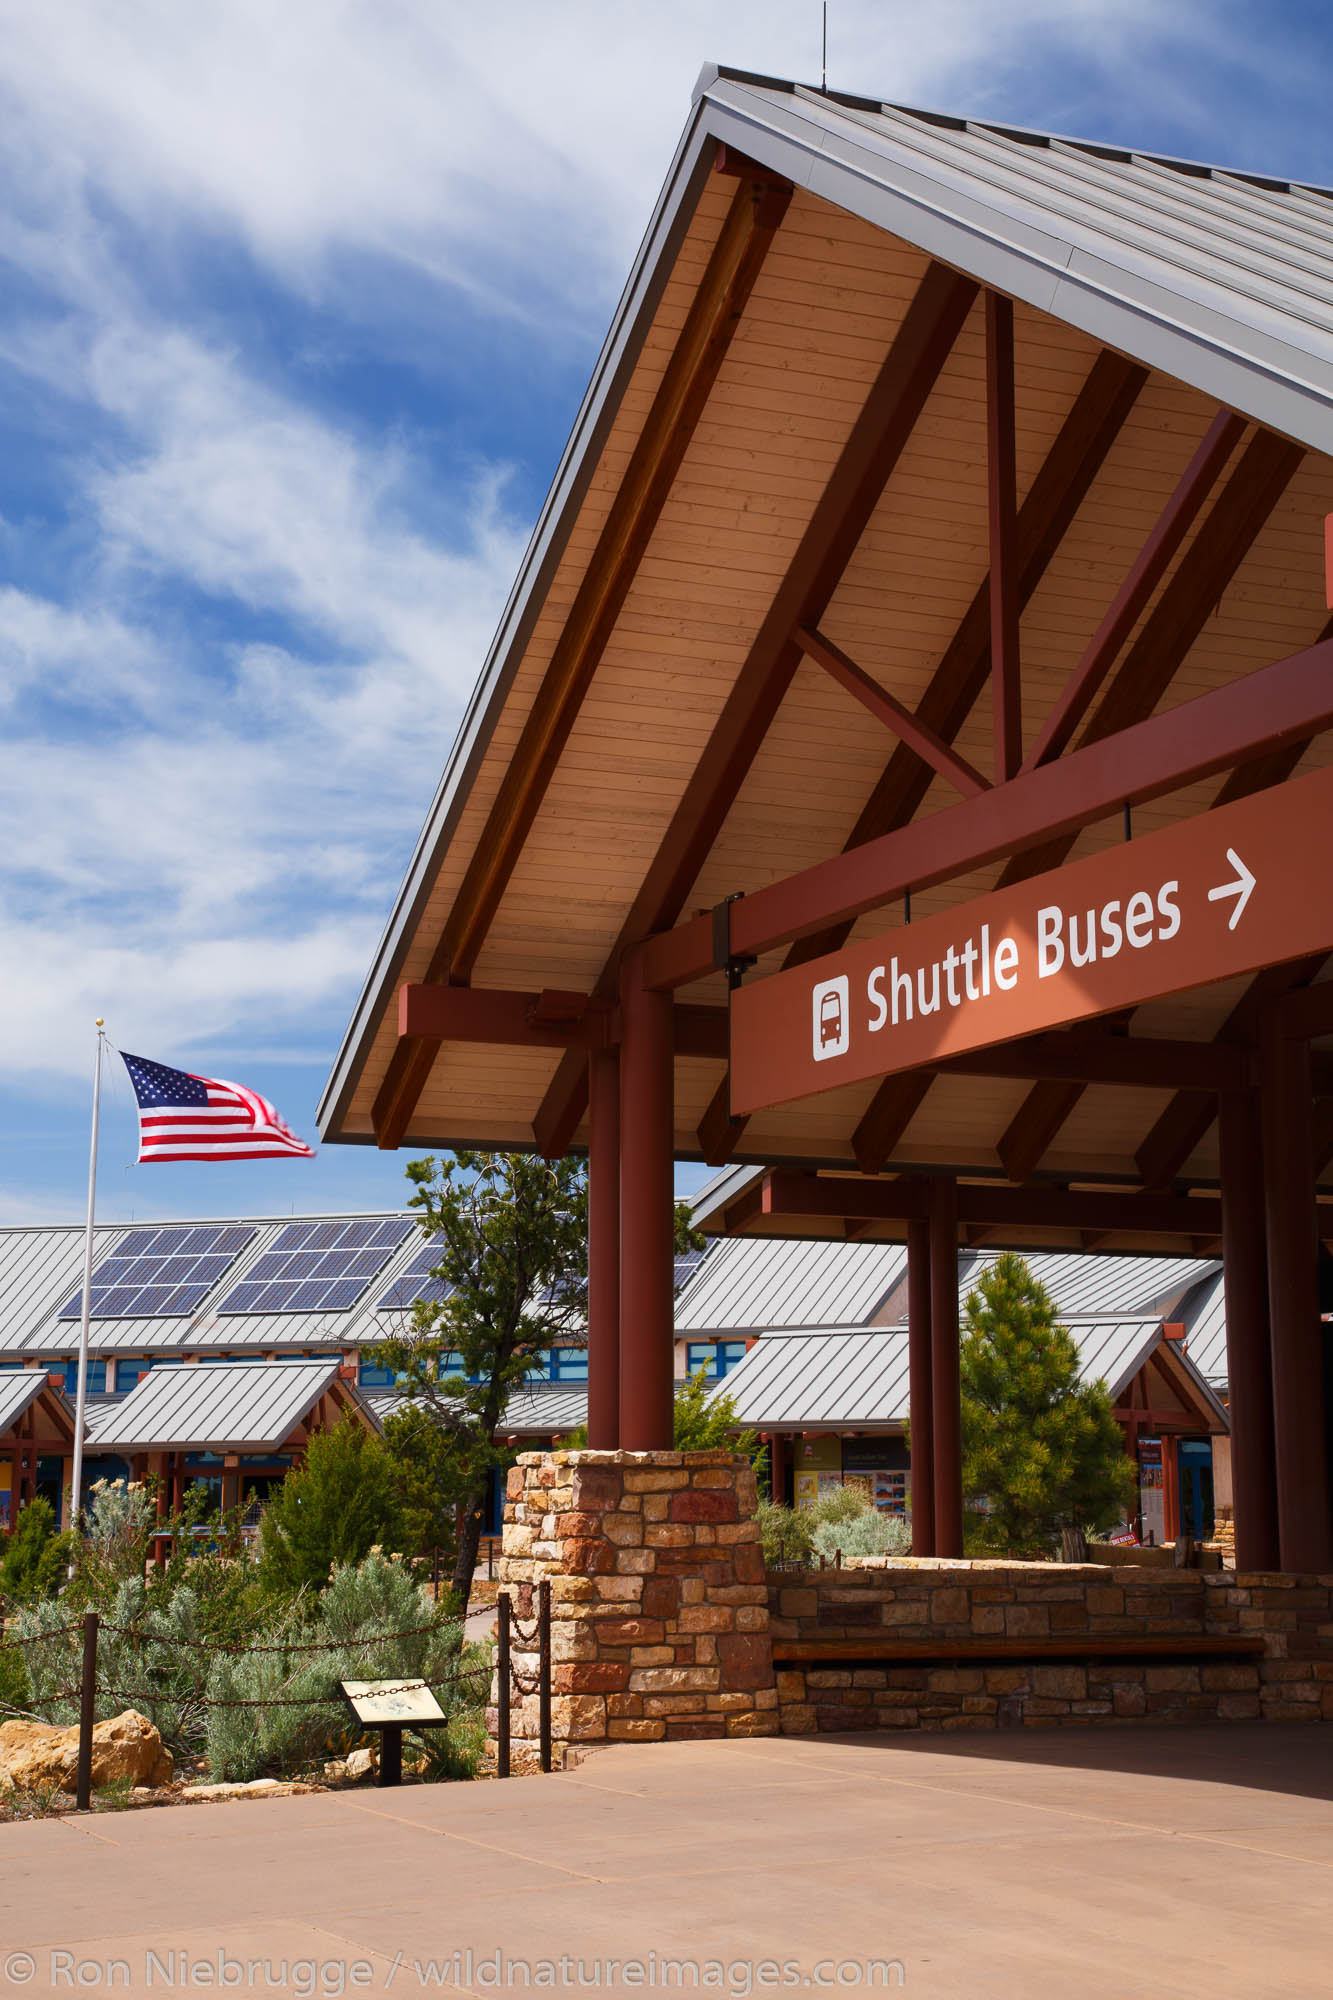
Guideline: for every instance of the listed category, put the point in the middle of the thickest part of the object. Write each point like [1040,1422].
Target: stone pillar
[659,1609]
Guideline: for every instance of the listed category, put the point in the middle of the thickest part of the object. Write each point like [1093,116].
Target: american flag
[184,1117]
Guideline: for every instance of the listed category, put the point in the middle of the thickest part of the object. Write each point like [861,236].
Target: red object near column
[919,1385]
[604,1250]
[946,1415]
[1249,1354]
[1304,1540]
[647,1263]
[1170,1487]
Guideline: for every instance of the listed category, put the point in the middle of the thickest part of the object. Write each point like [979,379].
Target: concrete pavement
[1095,1864]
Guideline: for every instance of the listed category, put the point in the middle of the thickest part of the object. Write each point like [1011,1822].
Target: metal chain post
[544,1668]
[502,1677]
[87,1703]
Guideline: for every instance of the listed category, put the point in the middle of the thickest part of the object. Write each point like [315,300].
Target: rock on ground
[37,1758]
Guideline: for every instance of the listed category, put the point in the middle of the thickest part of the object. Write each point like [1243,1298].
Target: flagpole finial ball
[100,1023]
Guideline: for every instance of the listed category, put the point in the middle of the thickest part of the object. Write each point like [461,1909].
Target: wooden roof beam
[1094,422]
[888,417]
[886,708]
[1241,509]
[748,230]
[1002,525]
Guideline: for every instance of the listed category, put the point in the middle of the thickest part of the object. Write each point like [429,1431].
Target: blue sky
[296,307]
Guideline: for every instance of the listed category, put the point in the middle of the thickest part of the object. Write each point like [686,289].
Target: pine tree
[1040,1447]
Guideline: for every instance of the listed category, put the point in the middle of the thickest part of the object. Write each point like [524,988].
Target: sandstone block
[652,1656]
[948,1607]
[589,1677]
[656,1480]
[746,1660]
[635,1562]
[1027,1621]
[667,1535]
[706,1618]
[756,1723]
[1127,1698]
[645,1731]
[676,1704]
[661,1597]
[673,1680]
[587,1557]
[1061,1683]
[694,1505]
[1171,1680]
[798,1719]
[594,1489]
[629,1631]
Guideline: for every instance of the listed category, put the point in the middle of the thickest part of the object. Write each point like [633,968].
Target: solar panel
[415,1282]
[688,1262]
[162,1273]
[317,1267]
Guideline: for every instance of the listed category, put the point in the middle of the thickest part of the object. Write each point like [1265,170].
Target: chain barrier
[166,1698]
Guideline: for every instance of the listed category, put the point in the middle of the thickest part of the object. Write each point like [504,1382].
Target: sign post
[1224,893]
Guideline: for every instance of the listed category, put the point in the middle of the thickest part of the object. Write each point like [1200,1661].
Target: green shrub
[35,1557]
[332,1510]
[363,1606]
[868,1533]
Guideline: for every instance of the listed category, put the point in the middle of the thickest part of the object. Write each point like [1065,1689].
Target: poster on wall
[806,1492]
[890,1492]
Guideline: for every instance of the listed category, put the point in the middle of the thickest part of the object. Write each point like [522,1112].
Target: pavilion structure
[947,510]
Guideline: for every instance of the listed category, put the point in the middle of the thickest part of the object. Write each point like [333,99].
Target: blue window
[716,1357]
[373,1375]
[96,1378]
[569,1364]
[451,1363]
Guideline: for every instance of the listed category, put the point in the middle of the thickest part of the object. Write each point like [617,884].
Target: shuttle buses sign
[1224,893]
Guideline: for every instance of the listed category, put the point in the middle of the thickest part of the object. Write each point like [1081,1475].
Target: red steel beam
[1131,600]
[748,230]
[1288,701]
[1002,518]
[1094,422]
[986,1205]
[932,749]
[888,417]
[437,1014]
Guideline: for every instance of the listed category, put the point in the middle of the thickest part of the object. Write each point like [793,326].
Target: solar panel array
[162,1273]
[317,1267]
[415,1282]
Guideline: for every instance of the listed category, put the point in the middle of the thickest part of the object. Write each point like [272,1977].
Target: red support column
[920,1398]
[604,1250]
[1170,1487]
[647,1265]
[946,1424]
[1304,1539]
[1249,1352]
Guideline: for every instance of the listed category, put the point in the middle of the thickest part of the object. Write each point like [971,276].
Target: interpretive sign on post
[391,1707]
[1220,894]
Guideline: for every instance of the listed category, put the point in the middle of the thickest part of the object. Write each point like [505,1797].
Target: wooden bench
[1090,1646]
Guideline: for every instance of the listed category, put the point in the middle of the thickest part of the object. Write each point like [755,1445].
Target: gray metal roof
[236,1406]
[1085,1286]
[1221,279]
[40,1267]
[18,1392]
[1204,1312]
[758,1282]
[819,1379]
[537,1410]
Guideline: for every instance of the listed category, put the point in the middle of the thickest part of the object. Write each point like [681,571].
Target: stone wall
[659,1609]
[1009,1602]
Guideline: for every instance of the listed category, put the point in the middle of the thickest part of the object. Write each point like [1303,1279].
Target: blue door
[1196,1487]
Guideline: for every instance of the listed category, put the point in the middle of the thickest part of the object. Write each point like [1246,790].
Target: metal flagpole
[81,1402]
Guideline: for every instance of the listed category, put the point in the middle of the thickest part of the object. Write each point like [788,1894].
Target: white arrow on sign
[1240,888]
